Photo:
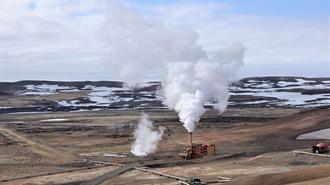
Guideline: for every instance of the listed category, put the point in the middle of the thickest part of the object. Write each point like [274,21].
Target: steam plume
[146,137]
[140,47]
[189,85]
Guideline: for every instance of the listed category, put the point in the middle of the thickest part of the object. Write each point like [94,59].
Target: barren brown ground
[267,144]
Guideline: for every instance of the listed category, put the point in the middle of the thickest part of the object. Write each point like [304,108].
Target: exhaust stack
[190,138]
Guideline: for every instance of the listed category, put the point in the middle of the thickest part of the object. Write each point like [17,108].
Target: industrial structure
[195,151]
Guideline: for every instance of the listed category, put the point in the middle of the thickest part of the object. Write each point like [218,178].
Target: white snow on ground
[266,89]
[128,99]
[253,81]
[103,88]
[105,96]
[76,103]
[257,102]
[46,89]
[70,90]
[103,100]
[327,101]
[86,110]
[37,93]
[285,83]
[100,93]
[113,155]
[289,98]
[264,86]
[257,88]
[66,103]
[302,81]
[317,86]
[53,120]
[99,96]
[298,82]
[320,134]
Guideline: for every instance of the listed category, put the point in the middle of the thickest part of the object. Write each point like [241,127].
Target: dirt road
[36,147]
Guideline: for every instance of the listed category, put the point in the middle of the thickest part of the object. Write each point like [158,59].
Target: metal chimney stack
[190,138]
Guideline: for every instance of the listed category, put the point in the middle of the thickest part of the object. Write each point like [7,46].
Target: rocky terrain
[59,147]
[51,132]
[50,96]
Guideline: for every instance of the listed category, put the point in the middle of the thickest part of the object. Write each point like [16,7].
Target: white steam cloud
[139,47]
[146,137]
[189,85]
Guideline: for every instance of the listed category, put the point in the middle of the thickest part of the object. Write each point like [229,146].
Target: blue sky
[50,39]
[278,8]
[281,8]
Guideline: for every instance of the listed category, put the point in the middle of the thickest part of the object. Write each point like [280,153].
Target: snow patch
[320,134]
[113,155]
[58,120]
[46,89]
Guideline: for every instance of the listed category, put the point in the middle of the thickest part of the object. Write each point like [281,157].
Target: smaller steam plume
[146,137]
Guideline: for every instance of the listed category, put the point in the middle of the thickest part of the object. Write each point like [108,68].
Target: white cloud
[48,42]
[270,41]
[64,40]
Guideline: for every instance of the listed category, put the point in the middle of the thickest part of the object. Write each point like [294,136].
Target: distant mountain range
[42,96]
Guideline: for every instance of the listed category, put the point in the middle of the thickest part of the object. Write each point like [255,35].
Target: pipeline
[162,174]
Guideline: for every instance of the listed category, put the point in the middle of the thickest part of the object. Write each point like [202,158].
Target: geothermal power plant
[195,151]
[202,92]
